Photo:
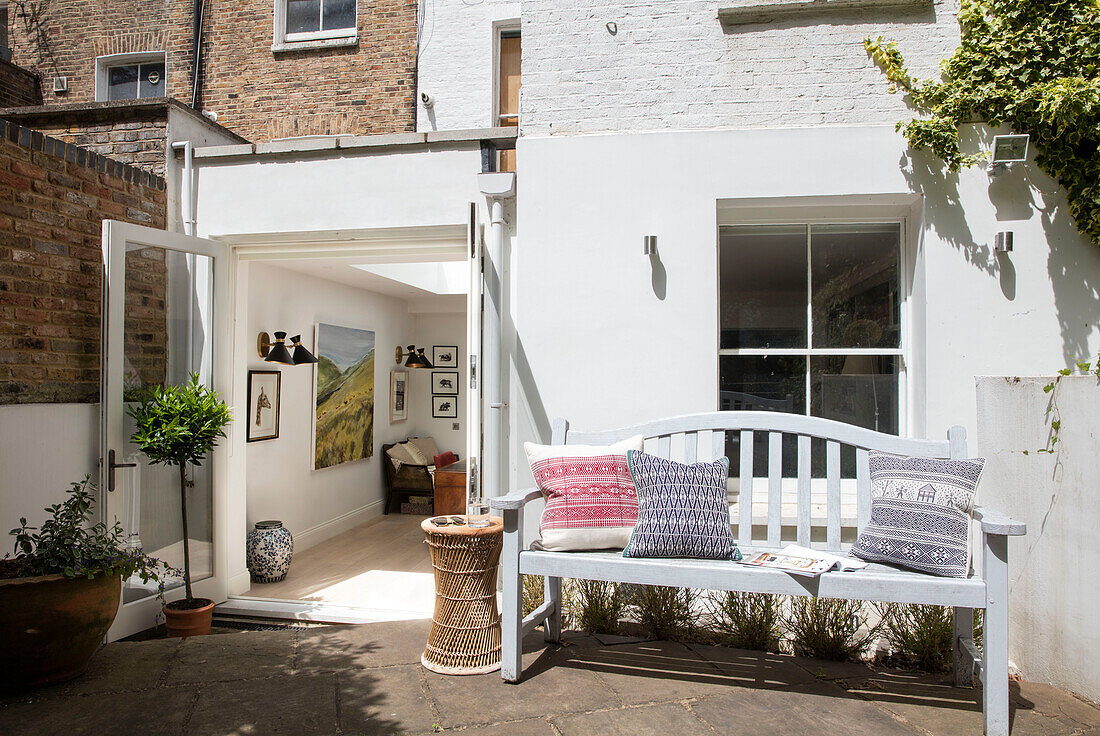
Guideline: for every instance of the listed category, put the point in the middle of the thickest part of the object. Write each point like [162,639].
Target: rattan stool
[465,634]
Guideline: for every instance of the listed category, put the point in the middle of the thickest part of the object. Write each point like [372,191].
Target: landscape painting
[344,404]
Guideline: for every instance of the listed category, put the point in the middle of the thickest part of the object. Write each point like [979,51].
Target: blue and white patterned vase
[269,548]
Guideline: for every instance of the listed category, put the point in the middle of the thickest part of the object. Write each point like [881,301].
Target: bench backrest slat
[803,490]
[744,524]
[817,501]
[832,494]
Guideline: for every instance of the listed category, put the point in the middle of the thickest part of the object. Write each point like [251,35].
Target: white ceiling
[417,283]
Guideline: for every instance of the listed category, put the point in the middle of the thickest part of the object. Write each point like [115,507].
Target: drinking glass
[478,513]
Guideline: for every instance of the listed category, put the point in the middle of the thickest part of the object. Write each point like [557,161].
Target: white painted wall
[673,66]
[590,339]
[43,448]
[1053,635]
[281,482]
[455,63]
[430,329]
[353,188]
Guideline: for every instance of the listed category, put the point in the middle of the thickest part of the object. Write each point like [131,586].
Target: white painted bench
[702,437]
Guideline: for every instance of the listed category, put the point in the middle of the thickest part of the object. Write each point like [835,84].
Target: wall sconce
[1002,242]
[649,246]
[413,358]
[277,352]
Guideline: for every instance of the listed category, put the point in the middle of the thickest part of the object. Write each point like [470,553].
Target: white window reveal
[131,76]
[314,24]
[810,321]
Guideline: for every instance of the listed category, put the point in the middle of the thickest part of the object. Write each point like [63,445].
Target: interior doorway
[358,547]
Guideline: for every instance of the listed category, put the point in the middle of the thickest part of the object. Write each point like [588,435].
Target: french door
[475,254]
[165,317]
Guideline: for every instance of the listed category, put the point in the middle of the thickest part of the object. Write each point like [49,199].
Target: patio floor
[367,680]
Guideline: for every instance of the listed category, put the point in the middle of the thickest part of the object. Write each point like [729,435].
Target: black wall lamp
[277,352]
[413,358]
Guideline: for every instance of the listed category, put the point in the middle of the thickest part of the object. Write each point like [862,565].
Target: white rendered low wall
[1053,593]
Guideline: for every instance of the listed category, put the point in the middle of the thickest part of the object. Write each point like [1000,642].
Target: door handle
[111,465]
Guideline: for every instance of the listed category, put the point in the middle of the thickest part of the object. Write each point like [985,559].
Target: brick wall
[53,198]
[257,93]
[141,143]
[18,86]
[672,65]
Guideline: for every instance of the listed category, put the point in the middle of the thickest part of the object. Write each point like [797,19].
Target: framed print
[445,356]
[343,395]
[263,405]
[399,396]
[445,382]
[444,407]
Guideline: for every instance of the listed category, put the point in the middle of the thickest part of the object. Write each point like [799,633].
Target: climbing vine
[1033,65]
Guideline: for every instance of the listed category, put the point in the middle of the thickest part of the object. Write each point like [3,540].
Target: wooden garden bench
[703,437]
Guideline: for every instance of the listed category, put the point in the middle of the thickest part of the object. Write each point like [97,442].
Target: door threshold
[318,611]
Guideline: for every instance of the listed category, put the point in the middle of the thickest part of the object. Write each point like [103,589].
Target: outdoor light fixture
[1007,150]
[1002,242]
[649,246]
[414,358]
[277,352]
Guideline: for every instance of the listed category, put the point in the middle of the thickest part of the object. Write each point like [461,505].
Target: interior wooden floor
[383,564]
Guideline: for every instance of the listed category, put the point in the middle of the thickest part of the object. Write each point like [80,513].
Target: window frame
[905,288]
[501,27]
[104,63]
[334,37]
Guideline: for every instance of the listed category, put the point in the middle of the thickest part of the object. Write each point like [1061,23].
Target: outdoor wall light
[1002,242]
[276,352]
[1007,150]
[649,246]
[414,358]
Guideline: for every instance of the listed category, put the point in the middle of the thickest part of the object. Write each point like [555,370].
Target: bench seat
[875,582]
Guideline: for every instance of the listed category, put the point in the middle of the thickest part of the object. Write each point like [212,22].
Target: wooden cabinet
[450,489]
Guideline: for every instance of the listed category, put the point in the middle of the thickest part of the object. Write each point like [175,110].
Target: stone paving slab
[367,681]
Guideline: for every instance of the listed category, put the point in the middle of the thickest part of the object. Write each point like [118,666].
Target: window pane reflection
[762,279]
[855,286]
[303,16]
[338,14]
[856,389]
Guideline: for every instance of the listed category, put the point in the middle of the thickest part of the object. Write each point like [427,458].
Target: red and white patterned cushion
[591,502]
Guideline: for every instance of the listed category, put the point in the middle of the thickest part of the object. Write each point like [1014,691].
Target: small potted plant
[60,592]
[179,426]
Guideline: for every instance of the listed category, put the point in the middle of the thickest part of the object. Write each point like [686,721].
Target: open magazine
[803,561]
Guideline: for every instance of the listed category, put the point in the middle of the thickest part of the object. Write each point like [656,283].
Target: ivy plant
[179,426]
[68,544]
[1033,65]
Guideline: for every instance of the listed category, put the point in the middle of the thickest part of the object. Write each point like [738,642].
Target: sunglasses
[449,520]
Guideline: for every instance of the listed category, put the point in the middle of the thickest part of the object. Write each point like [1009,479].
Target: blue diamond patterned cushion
[920,513]
[682,509]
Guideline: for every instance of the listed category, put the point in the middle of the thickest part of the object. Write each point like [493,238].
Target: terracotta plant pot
[189,617]
[50,626]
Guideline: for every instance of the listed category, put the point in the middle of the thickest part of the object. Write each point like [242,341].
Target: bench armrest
[994,522]
[515,499]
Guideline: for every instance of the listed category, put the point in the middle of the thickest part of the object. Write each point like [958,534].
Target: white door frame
[423,243]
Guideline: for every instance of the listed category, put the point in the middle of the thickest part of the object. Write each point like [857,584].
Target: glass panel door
[160,328]
[475,261]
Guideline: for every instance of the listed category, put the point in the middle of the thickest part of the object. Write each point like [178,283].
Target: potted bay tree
[179,426]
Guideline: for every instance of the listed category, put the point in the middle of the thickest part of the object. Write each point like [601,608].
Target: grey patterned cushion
[920,513]
[682,509]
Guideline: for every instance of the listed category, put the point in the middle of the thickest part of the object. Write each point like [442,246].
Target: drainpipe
[196,52]
[497,187]
[187,186]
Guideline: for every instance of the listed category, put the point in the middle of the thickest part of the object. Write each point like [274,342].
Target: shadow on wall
[1073,263]
[799,16]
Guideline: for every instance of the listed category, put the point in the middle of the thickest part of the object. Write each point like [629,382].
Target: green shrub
[533,593]
[747,620]
[596,606]
[920,636]
[826,628]
[666,613]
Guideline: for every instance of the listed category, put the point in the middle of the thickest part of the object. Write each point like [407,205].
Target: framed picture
[445,356]
[343,395]
[399,396]
[445,382]
[263,405]
[444,407]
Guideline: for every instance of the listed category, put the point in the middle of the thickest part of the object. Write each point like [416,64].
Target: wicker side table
[465,633]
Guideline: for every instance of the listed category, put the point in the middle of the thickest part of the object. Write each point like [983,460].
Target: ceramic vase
[269,549]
